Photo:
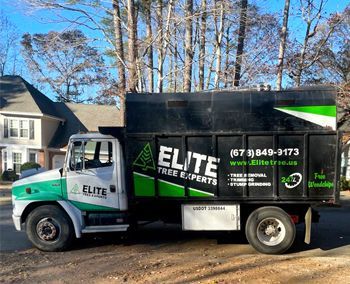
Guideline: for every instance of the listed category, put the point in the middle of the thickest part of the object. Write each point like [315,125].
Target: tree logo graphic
[145,159]
[75,189]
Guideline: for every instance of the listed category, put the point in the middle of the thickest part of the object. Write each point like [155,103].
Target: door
[91,174]
[57,161]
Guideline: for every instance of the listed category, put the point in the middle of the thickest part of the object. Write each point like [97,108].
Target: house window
[23,128]
[20,128]
[5,160]
[17,161]
[32,157]
[13,128]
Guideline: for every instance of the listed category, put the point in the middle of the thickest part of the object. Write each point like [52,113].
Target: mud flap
[308,221]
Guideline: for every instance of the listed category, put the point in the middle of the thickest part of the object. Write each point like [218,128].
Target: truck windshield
[77,156]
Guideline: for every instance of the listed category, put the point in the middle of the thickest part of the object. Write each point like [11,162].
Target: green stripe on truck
[144,186]
[48,190]
[320,110]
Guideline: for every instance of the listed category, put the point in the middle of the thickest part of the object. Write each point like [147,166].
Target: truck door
[91,174]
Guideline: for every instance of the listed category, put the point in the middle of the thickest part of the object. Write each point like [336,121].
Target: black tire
[270,230]
[49,228]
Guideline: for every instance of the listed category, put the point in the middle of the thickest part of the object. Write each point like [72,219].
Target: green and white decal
[145,159]
[170,169]
[324,116]
[46,186]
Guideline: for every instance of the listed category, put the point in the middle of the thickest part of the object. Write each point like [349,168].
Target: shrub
[9,175]
[29,165]
[344,183]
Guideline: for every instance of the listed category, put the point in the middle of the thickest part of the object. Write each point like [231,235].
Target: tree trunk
[119,46]
[149,36]
[240,46]
[188,45]
[176,66]
[159,12]
[218,40]
[300,65]
[133,80]
[227,58]
[282,45]
[202,43]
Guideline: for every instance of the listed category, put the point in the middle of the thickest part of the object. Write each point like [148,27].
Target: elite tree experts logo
[145,159]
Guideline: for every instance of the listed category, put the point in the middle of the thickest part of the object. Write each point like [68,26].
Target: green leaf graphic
[75,189]
[145,159]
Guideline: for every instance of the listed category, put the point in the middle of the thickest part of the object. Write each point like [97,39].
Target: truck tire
[49,228]
[270,230]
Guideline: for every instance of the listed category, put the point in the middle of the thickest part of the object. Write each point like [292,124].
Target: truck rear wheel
[49,228]
[270,230]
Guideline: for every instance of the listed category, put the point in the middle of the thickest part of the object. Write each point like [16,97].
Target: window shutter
[31,129]
[6,128]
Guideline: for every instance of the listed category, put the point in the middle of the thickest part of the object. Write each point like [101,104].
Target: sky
[40,21]
[30,21]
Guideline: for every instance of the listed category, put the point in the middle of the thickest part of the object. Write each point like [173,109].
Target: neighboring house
[346,161]
[34,128]
[344,117]
[345,165]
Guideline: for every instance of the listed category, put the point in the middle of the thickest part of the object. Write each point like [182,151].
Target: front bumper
[17,222]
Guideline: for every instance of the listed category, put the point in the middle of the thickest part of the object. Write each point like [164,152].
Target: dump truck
[212,161]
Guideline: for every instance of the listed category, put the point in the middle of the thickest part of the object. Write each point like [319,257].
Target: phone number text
[251,153]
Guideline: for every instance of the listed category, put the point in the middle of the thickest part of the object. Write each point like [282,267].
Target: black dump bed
[241,146]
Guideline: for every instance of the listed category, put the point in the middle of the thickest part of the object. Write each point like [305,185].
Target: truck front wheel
[49,228]
[270,230]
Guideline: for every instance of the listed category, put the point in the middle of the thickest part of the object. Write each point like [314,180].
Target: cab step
[108,228]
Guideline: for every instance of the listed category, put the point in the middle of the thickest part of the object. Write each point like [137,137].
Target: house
[345,165]
[34,128]
[344,117]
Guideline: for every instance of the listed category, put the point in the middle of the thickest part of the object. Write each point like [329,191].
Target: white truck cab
[91,184]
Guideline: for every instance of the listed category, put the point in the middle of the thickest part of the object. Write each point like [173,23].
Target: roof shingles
[17,95]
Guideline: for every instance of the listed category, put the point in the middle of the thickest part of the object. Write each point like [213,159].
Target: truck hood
[40,177]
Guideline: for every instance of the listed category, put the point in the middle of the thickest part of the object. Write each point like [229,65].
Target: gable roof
[17,95]
[83,118]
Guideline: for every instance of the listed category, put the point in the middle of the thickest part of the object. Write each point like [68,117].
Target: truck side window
[98,154]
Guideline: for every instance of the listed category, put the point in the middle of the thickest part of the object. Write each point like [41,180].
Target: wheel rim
[48,229]
[271,231]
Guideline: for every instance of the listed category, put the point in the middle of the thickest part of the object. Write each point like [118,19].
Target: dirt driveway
[164,254]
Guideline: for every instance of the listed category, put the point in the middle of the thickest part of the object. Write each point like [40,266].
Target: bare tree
[311,46]
[132,52]
[241,37]
[202,44]
[188,45]
[282,47]
[149,43]
[219,33]
[119,45]
[64,61]
[227,56]
[9,36]
[334,61]
[159,14]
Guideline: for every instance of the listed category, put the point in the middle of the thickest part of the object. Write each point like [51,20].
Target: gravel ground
[164,254]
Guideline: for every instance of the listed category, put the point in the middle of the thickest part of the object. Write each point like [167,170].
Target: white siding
[346,161]
[44,129]
[36,142]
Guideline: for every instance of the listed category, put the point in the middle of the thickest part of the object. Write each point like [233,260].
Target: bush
[29,165]
[344,183]
[9,175]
